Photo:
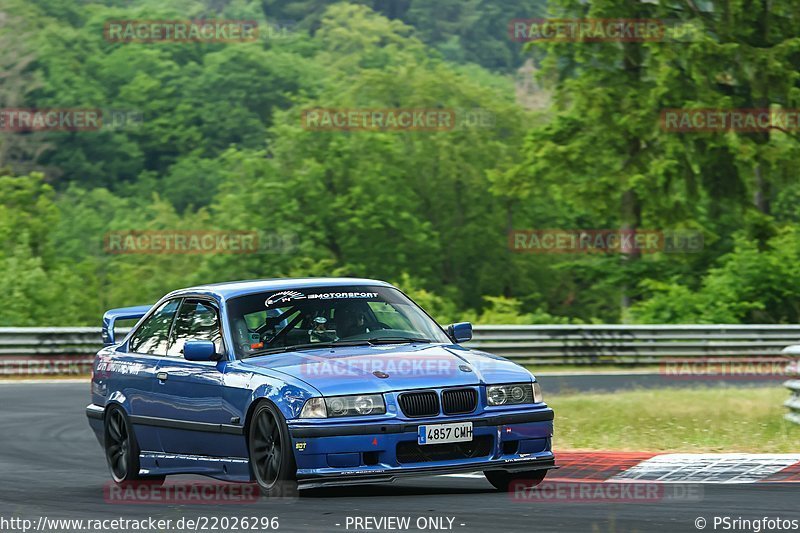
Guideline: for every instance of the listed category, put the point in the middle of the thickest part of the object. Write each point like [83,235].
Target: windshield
[327,316]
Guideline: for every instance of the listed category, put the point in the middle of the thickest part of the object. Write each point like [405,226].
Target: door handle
[162,376]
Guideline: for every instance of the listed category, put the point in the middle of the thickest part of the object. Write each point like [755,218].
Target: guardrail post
[793,384]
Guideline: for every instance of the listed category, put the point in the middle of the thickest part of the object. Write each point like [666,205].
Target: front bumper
[331,454]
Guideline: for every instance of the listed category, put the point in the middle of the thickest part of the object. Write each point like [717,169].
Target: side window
[152,336]
[197,321]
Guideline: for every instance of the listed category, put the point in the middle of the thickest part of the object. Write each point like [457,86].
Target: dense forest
[214,140]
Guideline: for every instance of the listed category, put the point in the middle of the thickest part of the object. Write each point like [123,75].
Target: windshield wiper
[335,344]
[309,346]
[397,340]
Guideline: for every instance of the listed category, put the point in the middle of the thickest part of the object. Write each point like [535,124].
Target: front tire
[503,480]
[271,458]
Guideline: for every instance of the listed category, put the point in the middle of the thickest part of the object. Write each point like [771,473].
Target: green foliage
[221,146]
[502,310]
[751,285]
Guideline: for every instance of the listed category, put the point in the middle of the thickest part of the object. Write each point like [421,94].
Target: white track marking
[708,468]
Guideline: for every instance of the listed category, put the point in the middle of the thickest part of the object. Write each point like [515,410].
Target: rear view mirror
[460,331]
[200,351]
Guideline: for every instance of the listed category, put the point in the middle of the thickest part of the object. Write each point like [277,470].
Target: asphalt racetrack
[52,466]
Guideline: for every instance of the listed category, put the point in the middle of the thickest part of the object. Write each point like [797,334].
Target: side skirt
[224,468]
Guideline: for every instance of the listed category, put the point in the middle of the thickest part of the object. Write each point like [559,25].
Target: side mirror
[200,351]
[460,332]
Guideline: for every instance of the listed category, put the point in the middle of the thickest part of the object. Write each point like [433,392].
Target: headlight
[364,404]
[514,393]
[314,408]
[537,393]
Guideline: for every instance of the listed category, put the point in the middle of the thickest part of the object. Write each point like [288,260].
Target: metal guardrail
[70,350]
[633,344]
[793,384]
[30,351]
[45,341]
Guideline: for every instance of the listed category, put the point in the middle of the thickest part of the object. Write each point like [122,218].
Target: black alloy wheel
[271,457]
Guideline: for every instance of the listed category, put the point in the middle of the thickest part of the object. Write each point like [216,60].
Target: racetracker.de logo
[50,119]
[568,491]
[57,365]
[181,492]
[391,119]
[716,368]
[596,30]
[195,31]
[397,119]
[18,120]
[724,120]
[197,242]
[393,365]
[576,241]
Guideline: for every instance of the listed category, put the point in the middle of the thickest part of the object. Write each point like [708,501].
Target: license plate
[443,433]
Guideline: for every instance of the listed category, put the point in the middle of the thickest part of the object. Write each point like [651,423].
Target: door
[190,392]
[136,370]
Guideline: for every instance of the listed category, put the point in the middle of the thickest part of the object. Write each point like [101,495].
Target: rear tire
[272,463]
[503,480]
[122,449]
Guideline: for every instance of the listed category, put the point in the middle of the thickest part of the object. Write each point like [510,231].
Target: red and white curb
[673,467]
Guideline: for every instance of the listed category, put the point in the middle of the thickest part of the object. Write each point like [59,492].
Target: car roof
[231,289]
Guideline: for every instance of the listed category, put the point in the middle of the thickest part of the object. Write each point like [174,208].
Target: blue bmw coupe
[307,383]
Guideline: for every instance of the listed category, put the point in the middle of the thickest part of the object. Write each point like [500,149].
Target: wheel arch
[249,417]
[119,399]
[113,404]
[122,404]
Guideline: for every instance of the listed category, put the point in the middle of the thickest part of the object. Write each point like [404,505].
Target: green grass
[676,420]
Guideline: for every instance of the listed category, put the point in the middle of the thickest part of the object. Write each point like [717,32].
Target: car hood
[384,368]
